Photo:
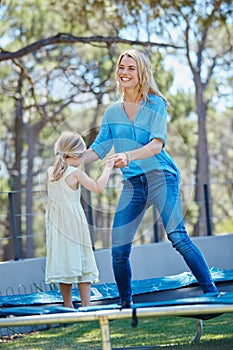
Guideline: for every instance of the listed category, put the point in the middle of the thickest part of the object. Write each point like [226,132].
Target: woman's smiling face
[128,73]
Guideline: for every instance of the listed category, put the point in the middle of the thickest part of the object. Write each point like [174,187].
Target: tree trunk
[202,165]
[16,176]
[31,142]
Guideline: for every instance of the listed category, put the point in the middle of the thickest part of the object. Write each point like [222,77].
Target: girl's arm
[99,185]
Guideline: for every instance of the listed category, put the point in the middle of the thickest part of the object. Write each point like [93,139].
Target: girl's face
[128,73]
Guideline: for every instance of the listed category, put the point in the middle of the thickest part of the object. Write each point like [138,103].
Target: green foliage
[4,185]
[67,86]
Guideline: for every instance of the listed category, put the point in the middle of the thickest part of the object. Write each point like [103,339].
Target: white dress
[70,258]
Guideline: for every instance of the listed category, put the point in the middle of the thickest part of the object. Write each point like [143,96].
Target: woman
[136,127]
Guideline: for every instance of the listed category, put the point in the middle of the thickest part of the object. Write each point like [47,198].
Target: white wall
[148,261]
[160,259]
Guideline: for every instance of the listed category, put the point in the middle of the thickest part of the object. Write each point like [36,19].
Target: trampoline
[177,295]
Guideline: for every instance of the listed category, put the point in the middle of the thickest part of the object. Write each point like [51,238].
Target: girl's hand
[109,163]
[120,160]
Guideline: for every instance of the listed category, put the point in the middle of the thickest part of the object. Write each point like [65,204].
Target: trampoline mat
[181,289]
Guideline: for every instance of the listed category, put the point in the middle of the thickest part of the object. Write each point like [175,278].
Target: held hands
[120,160]
[109,163]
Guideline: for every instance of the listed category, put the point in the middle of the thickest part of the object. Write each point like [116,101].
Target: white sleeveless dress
[69,258]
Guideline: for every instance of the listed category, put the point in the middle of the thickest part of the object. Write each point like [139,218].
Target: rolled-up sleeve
[158,128]
[103,142]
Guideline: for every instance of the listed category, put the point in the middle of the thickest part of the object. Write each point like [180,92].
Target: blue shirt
[118,131]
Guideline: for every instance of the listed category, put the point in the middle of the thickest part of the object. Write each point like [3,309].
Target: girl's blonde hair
[68,145]
[147,83]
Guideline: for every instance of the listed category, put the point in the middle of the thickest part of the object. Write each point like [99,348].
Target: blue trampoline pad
[211,298]
[146,293]
[33,310]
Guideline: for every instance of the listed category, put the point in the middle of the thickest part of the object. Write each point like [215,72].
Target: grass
[167,332]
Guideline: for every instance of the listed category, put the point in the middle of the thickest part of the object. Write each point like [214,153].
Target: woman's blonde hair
[68,145]
[147,83]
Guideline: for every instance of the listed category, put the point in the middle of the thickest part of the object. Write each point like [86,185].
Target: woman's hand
[120,160]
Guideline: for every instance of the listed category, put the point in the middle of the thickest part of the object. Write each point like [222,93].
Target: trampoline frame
[104,316]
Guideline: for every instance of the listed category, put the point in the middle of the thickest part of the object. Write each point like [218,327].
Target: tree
[37,68]
[203,29]
[46,48]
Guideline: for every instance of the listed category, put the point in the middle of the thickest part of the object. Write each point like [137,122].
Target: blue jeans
[138,194]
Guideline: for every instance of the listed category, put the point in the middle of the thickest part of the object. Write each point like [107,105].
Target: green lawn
[165,332]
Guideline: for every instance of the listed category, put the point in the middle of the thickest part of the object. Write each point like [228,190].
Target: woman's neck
[132,100]
[131,97]
[136,102]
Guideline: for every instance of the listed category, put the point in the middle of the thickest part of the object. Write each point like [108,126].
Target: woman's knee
[121,253]
[180,241]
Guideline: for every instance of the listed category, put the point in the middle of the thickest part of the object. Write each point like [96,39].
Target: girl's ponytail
[59,166]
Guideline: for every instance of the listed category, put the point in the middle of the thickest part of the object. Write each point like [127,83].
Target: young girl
[70,257]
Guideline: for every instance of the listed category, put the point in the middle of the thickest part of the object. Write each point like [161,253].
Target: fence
[12,239]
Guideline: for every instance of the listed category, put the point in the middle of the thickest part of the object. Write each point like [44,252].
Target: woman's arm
[152,148]
[89,156]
